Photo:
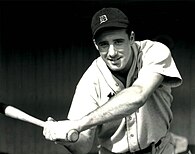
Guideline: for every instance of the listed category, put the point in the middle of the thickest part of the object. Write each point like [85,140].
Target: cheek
[127,56]
[103,54]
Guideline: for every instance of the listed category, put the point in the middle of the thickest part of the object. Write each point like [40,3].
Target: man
[123,99]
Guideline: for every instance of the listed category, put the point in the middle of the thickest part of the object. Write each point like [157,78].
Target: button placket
[131,132]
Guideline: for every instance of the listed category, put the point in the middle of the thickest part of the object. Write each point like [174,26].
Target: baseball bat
[16,113]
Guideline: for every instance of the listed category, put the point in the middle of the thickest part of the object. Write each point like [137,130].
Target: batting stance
[123,99]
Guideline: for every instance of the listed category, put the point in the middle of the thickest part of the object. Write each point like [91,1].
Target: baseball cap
[108,17]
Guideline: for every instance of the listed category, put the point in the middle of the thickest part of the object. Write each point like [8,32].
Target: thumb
[50,119]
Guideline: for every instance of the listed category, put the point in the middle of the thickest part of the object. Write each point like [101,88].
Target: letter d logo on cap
[103,18]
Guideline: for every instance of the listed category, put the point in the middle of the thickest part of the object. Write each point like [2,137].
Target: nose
[111,51]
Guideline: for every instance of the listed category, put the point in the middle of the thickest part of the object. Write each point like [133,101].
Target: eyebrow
[118,39]
[102,42]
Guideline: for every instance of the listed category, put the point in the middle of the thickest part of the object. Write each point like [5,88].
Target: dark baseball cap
[108,17]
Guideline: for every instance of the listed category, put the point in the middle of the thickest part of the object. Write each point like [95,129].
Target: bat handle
[72,135]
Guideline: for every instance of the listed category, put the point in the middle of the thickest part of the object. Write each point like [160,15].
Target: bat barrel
[15,113]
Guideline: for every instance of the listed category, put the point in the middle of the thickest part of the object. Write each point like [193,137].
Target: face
[115,49]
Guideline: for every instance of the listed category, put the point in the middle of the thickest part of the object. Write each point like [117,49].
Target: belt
[146,150]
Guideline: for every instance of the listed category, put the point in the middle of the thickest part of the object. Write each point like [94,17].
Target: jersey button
[132,135]
[130,118]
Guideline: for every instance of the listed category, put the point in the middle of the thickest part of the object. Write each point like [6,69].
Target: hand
[58,130]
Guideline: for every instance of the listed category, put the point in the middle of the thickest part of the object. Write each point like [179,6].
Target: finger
[48,130]
[50,136]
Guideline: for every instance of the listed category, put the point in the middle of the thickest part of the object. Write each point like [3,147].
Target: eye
[103,44]
[119,42]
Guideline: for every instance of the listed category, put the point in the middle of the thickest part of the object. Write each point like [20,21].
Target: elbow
[138,103]
[141,102]
[140,97]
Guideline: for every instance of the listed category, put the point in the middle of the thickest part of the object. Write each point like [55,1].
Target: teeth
[113,61]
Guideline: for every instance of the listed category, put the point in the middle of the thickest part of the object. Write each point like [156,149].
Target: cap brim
[110,24]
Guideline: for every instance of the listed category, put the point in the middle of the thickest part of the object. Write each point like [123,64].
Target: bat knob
[72,135]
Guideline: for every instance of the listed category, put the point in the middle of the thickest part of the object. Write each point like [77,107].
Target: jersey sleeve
[157,58]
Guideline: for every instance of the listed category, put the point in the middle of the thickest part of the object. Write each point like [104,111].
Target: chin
[116,69]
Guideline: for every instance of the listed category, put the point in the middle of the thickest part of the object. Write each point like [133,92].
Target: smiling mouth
[115,60]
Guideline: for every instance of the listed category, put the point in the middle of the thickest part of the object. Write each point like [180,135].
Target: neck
[122,76]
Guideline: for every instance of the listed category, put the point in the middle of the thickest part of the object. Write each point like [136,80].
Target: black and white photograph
[97,77]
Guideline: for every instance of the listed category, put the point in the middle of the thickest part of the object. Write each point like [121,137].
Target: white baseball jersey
[151,122]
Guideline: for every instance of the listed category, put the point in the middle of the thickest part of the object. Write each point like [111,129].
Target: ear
[95,44]
[132,37]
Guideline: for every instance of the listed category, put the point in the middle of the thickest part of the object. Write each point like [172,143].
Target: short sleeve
[157,58]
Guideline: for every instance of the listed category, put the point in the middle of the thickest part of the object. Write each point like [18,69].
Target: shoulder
[153,50]
[92,69]
[92,73]
[156,57]
[148,45]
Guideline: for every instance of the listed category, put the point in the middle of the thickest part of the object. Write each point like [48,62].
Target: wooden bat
[15,113]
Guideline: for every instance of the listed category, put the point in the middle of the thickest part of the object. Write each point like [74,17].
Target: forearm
[123,104]
[118,107]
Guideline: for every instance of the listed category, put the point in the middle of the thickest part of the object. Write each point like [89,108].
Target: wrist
[83,124]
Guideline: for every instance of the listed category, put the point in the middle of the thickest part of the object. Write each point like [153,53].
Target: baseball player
[123,100]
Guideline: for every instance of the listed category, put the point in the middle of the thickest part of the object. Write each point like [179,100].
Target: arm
[124,103]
